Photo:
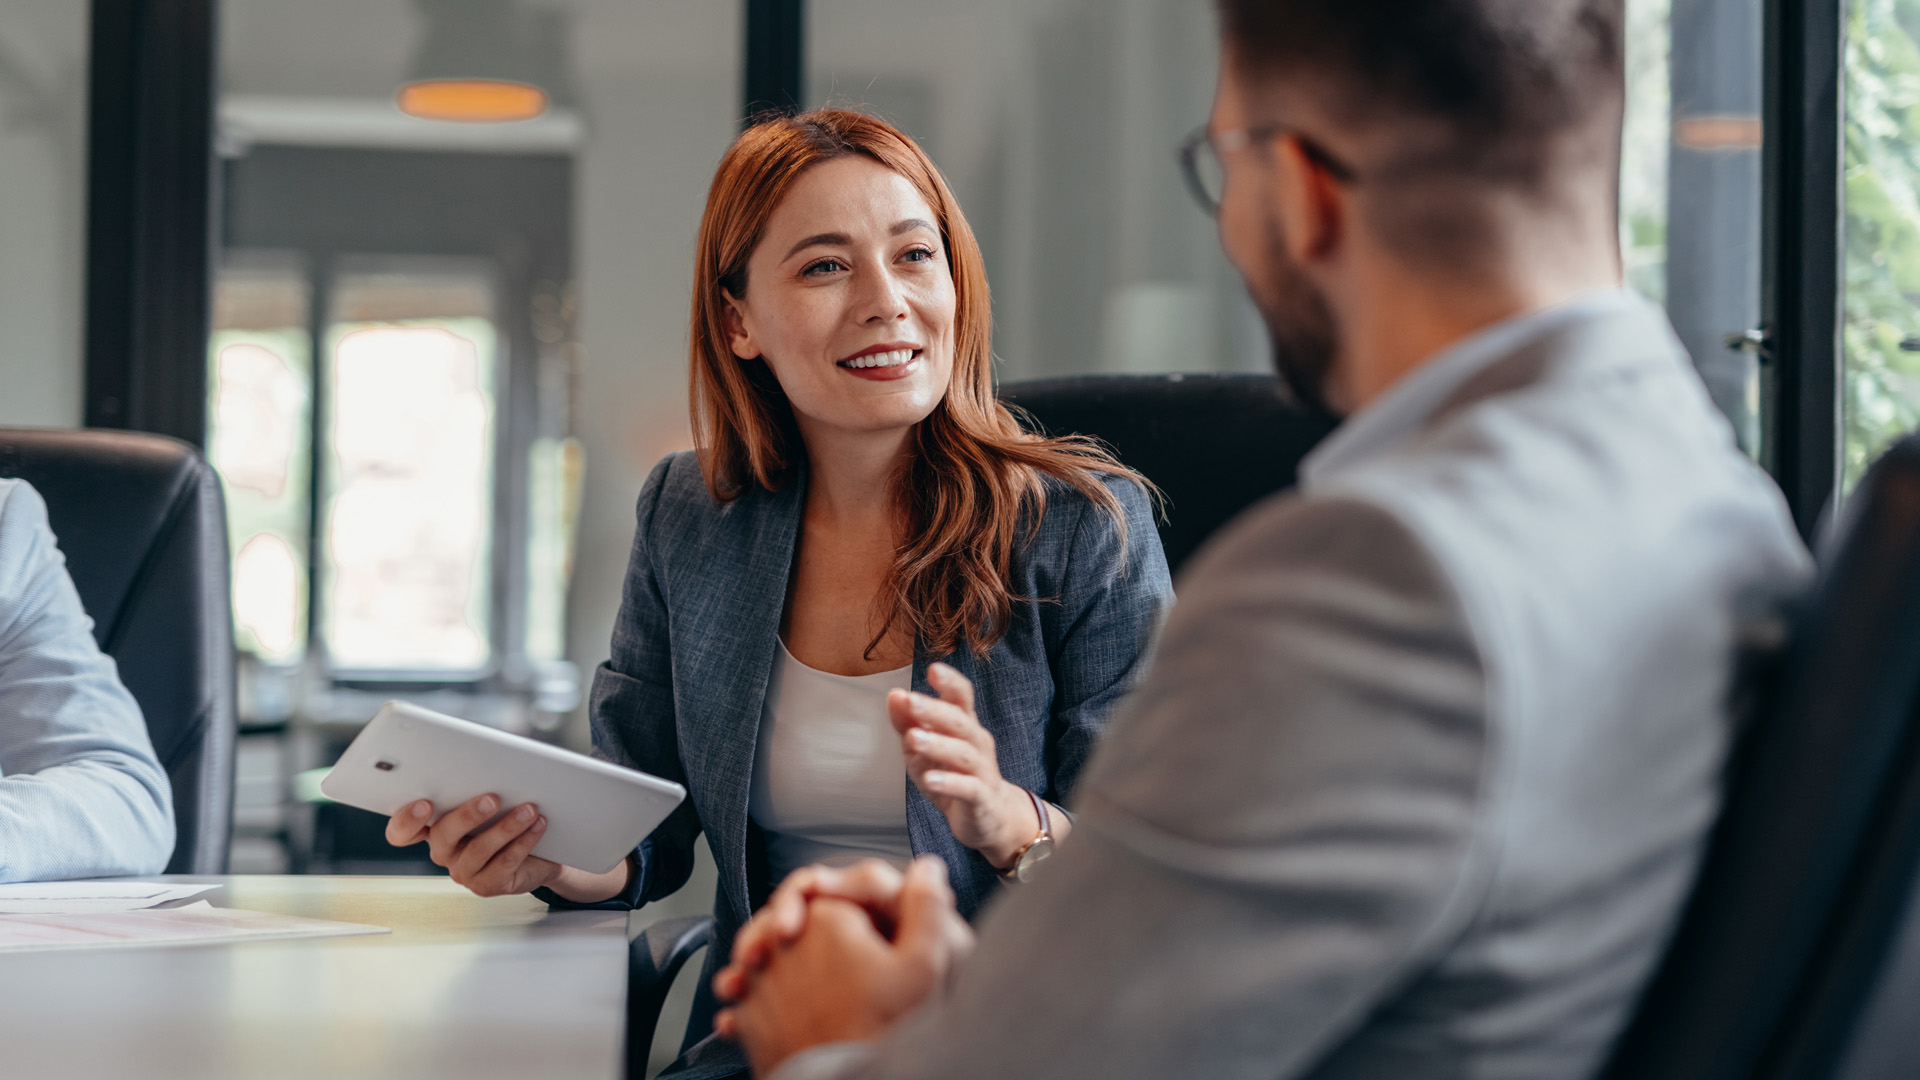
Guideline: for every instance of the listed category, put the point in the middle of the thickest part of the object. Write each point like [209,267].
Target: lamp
[486,62]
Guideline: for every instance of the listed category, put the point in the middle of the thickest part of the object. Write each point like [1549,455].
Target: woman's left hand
[951,757]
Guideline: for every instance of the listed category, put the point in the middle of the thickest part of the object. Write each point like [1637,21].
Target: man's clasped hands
[883,940]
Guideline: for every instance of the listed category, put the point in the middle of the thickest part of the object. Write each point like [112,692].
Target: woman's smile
[893,360]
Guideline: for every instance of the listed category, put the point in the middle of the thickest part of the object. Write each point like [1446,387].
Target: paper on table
[195,924]
[73,897]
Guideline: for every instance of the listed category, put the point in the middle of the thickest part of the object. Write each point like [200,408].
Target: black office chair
[1787,942]
[1214,444]
[143,526]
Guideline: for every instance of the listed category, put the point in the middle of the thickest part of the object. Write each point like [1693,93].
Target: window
[260,424]
[1880,334]
[407,523]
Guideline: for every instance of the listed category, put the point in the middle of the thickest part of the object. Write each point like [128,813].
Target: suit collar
[1462,372]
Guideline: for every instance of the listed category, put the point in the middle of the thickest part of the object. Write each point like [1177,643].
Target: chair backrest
[1213,444]
[143,526]
[1811,868]
[1883,1043]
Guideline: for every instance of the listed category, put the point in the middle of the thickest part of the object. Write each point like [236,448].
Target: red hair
[973,474]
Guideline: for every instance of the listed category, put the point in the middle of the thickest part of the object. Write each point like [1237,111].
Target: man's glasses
[1203,159]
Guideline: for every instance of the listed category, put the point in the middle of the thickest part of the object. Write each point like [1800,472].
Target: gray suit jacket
[1420,776]
[693,648]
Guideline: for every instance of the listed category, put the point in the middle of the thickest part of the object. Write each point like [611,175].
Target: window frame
[1801,256]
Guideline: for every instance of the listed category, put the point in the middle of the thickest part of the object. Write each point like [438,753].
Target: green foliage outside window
[1880,382]
[1643,158]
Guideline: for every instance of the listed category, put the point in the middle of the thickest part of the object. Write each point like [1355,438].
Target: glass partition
[1690,188]
[1055,122]
[449,345]
[43,171]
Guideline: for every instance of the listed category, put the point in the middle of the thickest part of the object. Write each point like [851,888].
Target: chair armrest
[653,960]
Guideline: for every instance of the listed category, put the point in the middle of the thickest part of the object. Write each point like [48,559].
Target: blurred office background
[440,355]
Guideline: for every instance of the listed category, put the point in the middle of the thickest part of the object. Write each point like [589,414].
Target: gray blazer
[683,695]
[1421,773]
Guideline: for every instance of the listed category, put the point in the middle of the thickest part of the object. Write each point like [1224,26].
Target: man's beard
[1301,326]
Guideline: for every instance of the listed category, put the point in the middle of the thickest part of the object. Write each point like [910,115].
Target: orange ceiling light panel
[472,101]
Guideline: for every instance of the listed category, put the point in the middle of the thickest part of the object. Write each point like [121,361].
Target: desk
[463,987]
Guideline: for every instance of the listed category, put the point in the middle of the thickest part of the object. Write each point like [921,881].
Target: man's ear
[1313,208]
[739,338]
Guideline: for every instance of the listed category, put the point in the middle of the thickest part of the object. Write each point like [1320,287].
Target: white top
[829,781]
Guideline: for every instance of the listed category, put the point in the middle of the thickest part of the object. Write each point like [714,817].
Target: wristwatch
[1036,849]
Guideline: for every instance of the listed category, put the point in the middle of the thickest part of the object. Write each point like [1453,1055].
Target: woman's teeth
[883,359]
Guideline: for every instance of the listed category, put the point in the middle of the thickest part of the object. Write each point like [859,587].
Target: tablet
[596,812]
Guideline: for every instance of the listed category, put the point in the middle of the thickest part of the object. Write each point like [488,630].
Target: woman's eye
[824,266]
[918,255]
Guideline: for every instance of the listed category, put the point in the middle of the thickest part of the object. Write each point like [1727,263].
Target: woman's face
[850,301]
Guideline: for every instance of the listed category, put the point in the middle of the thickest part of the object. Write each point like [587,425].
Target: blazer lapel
[741,588]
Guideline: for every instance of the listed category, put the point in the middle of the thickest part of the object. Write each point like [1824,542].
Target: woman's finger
[478,851]
[952,685]
[925,750]
[941,785]
[409,826]
[445,838]
[502,872]
[935,715]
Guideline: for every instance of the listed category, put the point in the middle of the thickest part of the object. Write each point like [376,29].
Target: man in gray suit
[1420,777]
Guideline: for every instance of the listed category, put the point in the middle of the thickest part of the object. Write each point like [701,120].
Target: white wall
[43,89]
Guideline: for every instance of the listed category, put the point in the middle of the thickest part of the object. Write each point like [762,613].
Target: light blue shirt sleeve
[81,793]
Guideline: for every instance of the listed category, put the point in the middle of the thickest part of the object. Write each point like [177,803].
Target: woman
[862,517]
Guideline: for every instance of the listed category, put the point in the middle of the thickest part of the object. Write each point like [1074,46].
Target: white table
[463,987]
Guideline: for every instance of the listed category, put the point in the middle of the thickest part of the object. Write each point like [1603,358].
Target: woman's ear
[739,338]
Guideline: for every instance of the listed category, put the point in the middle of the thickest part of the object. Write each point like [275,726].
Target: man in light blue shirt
[81,793]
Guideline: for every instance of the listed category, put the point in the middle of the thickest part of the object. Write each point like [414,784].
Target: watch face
[1030,858]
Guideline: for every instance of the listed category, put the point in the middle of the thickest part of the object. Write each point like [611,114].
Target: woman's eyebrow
[841,239]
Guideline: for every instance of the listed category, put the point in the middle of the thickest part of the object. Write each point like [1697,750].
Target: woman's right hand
[497,861]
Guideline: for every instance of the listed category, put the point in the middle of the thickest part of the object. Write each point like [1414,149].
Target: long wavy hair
[971,488]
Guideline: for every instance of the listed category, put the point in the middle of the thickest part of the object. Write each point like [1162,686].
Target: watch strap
[1011,873]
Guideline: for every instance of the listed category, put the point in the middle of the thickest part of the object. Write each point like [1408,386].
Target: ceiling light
[486,62]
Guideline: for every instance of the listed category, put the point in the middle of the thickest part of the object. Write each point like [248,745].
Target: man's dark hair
[1502,83]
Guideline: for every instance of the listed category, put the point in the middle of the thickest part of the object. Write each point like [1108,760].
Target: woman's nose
[881,300]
